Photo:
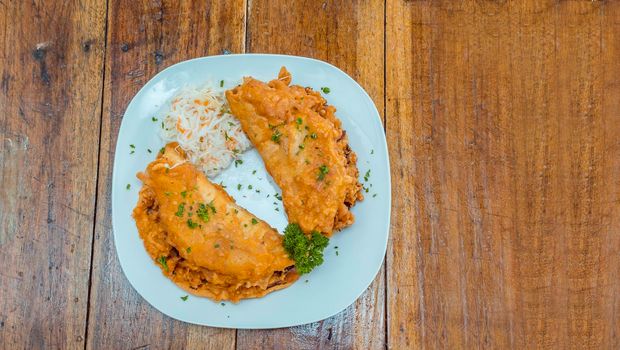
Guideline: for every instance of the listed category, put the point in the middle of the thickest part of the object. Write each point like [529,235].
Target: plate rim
[377,120]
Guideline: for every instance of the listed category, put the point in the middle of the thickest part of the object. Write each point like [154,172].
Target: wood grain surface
[505,120]
[503,125]
[50,104]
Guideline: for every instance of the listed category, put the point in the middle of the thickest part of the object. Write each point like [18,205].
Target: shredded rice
[200,121]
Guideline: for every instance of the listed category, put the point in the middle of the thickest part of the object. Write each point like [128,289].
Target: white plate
[329,288]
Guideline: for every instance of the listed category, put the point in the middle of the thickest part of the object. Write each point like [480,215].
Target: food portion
[304,148]
[200,121]
[201,239]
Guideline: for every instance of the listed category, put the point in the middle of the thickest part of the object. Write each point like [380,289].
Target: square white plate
[361,247]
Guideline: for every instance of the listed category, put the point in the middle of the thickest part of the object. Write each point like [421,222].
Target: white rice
[199,120]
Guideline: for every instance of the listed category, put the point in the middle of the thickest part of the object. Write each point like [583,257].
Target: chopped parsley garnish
[302,146]
[216,245]
[188,250]
[239,187]
[237,162]
[278,197]
[132,146]
[374,195]
[128,186]
[162,125]
[276,136]
[236,211]
[325,90]
[254,221]
[306,251]
[323,170]
[203,211]
[253,172]
[337,253]
[167,193]
[162,150]
[298,121]
[132,152]
[191,224]
[222,304]
[367,175]
[249,187]
[162,261]
[313,136]
[372,151]
[221,83]
[154,119]
[180,210]
[184,298]
[184,194]
[226,136]
[149,150]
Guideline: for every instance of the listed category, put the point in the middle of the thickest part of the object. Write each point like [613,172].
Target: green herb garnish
[238,187]
[180,210]
[237,162]
[298,121]
[184,194]
[367,175]
[325,90]
[203,211]
[162,261]
[188,250]
[162,150]
[154,119]
[276,136]
[216,245]
[254,221]
[191,224]
[221,83]
[306,251]
[184,298]
[323,170]
[313,136]
[128,186]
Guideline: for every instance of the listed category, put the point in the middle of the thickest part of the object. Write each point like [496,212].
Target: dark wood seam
[92,245]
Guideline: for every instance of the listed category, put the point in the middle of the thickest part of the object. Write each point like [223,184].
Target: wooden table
[503,123]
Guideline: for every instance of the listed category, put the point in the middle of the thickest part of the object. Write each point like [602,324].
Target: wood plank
[144,37]
[51,73]
[506,226]
[349,35]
